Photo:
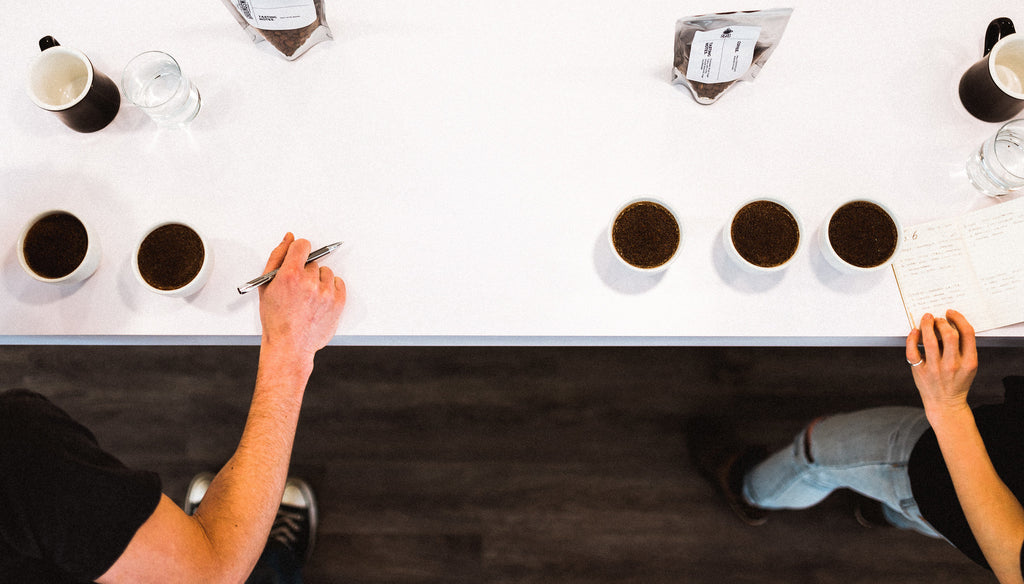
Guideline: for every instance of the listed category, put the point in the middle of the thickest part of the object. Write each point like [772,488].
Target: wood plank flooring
[518,465]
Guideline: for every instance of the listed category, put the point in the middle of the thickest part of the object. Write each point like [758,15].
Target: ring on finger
[919,361]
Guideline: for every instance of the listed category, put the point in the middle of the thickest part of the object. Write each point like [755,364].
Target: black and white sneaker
[197,490]
[296,521]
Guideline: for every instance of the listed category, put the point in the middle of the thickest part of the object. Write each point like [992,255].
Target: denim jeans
[865,451]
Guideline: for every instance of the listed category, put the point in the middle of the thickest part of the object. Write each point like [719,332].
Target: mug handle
[997,29]
[48,42]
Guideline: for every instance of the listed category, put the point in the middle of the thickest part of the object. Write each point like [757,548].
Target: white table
[471,154]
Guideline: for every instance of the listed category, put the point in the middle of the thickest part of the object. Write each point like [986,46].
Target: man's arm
[993,512]
[221,542]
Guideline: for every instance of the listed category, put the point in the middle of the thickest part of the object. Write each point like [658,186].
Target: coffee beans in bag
[715,51]
[288,28]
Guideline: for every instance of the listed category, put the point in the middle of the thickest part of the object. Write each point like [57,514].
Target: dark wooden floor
[518,464]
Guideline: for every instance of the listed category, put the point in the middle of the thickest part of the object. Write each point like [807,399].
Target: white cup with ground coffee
[763,235]
[172,259]
[862,235]
[646,235]
[56,247]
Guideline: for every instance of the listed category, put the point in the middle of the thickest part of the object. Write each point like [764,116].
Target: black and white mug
[993,88]
[63,80]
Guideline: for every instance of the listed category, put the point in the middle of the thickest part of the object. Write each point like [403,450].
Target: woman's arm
[993,513]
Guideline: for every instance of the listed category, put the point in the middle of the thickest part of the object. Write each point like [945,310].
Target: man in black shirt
[70,512]
[945,470]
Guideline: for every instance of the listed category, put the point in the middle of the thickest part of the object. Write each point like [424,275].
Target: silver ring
[915,364]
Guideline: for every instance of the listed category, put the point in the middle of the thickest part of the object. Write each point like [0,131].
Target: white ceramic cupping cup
[85,269]
[842,265]
[656,269]
[196,283]
[740,260]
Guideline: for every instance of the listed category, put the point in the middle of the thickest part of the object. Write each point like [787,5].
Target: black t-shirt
[1002,429]
[67,509]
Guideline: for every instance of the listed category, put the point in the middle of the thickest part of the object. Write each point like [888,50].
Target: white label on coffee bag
[277,14]
[723,54]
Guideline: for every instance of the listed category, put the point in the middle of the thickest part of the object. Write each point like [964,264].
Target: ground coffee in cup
[645,234]
[764,233]
[863,234]
[55,245]
[170,256]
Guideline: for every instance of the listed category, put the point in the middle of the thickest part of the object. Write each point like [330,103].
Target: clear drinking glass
[153,81]
[997,167]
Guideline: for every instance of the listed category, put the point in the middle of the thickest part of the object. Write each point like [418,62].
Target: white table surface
[471,154]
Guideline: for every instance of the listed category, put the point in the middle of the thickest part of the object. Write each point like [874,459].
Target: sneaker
[730,484]
[196,491]
[869,512]
[297,519]
[723,462]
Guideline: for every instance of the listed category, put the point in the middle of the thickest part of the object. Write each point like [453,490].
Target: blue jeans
[865,451]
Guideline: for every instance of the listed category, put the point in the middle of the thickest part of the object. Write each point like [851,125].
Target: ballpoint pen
[266,278]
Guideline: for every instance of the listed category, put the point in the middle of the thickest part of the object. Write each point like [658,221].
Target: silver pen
[266,278]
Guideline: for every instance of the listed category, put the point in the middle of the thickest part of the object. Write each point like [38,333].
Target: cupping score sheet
[973,264]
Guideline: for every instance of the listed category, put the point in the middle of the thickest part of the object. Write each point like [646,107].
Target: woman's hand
[944,373]
[943,376]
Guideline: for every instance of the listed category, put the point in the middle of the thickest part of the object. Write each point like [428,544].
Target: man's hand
[950,361]
[221,542]
[301,307]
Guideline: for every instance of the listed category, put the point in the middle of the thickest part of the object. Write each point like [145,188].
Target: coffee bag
[287,29]
[715,51]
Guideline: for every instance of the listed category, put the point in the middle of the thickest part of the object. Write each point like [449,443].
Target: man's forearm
[993,512]
[239,507]
[299,314]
